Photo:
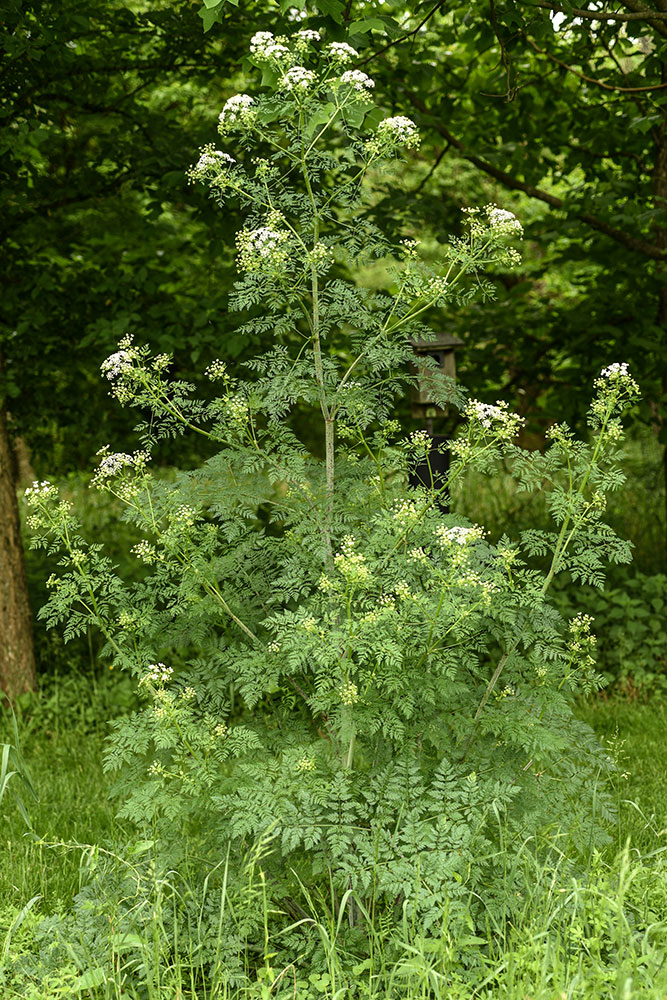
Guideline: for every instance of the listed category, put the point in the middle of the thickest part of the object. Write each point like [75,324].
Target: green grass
[600,939]
[639,733]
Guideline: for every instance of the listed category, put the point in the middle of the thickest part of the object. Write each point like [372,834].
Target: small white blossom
[358,80]
[458,535]
[298,78]
[307,36]
[497,419]
[341,52]
[238,112]
[262,246]
[502,221]
[40,491]
[210,163]
[117,364]
[399,130]
[157,674]
[264,46]
[617,376]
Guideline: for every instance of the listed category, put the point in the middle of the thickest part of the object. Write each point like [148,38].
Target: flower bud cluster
[305,764]
[352,564]
[349,693]
[405,512]
[321,257]
[216,370]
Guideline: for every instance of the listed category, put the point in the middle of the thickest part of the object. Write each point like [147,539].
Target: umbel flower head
[211,164]
[239,112]
[264,247]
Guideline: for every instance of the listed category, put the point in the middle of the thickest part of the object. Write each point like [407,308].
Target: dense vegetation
[358,745]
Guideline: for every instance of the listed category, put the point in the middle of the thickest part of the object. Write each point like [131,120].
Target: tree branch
[633,243]
[590,79]
[403,38]
[638,12]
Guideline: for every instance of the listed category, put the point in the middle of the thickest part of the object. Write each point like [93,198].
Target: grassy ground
[63,753]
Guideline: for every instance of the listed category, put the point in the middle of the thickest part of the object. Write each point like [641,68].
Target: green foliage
[630,625]
[331,671]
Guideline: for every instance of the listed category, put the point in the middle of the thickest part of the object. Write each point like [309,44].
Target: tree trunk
[17,653]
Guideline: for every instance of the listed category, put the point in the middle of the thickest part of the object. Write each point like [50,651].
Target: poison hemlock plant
[372,680]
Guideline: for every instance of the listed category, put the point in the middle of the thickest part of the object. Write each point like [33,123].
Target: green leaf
[89,980]
[210,17]
[368,24]
[334,8]
[213,3]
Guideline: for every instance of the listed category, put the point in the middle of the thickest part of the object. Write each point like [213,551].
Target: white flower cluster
[120,369]
[145,551]
[216,370]
[264,46]
[400,130]
[298,78]
[183,514]
[43,490]
[503,222]
[157,674]
[617,376]
[238,112]
[117,364]
[349,693]
[352,564]
[305,764]
[497,419]
[458,535]
[210,164]
[308,35]
[258,248]
[112,463]
[357,80]
[341,52]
